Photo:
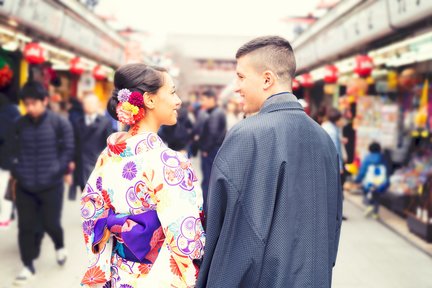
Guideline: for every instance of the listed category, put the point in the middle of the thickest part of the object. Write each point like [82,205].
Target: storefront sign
[405,12]
[41,15]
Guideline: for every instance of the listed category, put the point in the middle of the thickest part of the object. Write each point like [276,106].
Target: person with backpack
[374,179]
[42,147]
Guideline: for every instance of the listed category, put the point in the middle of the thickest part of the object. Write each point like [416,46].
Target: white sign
[41,15]
[78,35]
[7,6]
[405,12]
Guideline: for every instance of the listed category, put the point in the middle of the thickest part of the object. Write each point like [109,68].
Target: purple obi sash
[135,234]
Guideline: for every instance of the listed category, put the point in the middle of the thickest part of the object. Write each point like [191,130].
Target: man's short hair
[33,90]
[209,93]
[273,53]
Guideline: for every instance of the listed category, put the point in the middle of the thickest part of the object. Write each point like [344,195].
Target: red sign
[98,73]
[331,74]
[306,80]
[33,53]
[77,66]
[295,85]
[364,65]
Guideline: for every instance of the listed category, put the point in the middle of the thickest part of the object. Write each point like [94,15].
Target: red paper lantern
[295,85]
[34,53]
[306,80]
[77,66]
[331,74]
[98,73]
[364,65]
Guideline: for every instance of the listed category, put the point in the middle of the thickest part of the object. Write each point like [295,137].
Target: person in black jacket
[211,137]
[91,132]
[43,146]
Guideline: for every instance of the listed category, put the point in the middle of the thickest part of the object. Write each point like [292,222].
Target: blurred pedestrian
[333,124]
[179,136]
[41,149]
[91,132]
[274,212]
[231,114]
[212,135]
[9,114]
[374,179]
[140,208]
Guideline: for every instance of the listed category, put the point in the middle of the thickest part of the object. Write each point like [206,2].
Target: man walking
[43,147]
[275,200]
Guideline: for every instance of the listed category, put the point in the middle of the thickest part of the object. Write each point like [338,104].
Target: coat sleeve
[179,208]
[338,215]
[94,207]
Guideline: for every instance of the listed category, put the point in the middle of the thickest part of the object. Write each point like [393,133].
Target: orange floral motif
[144,268]
[94,276]
[86,238]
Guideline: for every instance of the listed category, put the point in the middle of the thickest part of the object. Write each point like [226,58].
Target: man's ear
[149,100]
[269,79]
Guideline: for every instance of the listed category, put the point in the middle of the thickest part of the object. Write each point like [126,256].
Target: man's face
[91,104]
[249,85]
[35,108]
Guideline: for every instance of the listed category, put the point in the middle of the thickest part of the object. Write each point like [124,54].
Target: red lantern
[33,53]
[364,65]
[306,80]
[98,73]
[331,74]
[77,66]
[295,85]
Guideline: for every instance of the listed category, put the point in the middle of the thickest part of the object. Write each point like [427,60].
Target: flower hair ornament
[130,108]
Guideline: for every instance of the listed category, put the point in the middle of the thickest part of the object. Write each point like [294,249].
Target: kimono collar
[120,144]
[281,101]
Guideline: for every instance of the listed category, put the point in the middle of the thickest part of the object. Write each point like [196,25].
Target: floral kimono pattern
[141,214]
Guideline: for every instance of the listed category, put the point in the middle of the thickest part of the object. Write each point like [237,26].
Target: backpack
[376,175]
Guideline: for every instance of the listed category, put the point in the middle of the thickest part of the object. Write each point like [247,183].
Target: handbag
[10,194]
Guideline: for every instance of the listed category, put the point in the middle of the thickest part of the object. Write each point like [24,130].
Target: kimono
[141,213]
[274,203]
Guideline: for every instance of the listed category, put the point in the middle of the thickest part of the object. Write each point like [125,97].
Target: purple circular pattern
[99,183]
[141,147]
[132,199]
[173,176]
[170,159]
[153,140]
[129,170]
[187,182]
[88,210]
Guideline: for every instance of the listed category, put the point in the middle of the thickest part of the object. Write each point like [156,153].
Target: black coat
[274,203]
[41,151]
[213,130]
[89,143]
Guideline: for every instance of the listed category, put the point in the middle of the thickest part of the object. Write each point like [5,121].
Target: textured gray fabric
[275,203]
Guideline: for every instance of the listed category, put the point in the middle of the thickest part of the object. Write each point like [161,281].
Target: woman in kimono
[141,207]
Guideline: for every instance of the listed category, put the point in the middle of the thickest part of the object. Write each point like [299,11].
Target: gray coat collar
[281,101]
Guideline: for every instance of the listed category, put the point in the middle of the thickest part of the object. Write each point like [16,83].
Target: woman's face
[167,102]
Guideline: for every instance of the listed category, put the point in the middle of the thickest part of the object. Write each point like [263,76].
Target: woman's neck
[144,125]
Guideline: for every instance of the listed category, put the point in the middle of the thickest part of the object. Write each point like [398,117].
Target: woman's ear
[149,100]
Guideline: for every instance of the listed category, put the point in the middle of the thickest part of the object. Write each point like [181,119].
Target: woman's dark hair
[135,77]
[334,115]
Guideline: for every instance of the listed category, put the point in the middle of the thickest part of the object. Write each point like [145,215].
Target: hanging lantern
[77,66]
[295,85]
[34,53]
[98,73]
[364,65]
[331,74]
[306,80]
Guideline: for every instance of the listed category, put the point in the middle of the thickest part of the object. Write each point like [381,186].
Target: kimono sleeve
[98,240]
[179,208]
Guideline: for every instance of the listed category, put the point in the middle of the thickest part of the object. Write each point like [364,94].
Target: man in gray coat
[275,199]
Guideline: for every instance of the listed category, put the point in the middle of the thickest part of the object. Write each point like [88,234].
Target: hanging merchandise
[408,79]
[363,66]
[77,66]
[331,74]
[34,53]
[98,73]
[6,73]
[306,80]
